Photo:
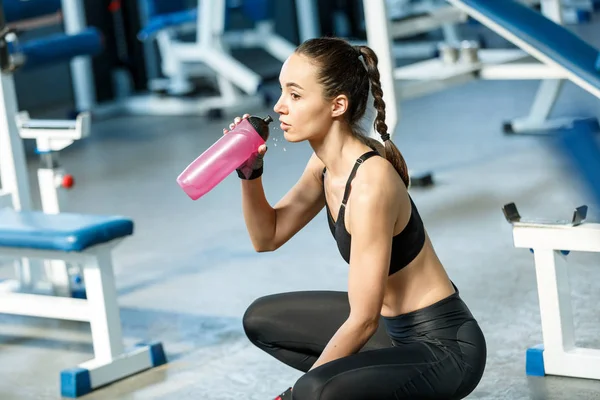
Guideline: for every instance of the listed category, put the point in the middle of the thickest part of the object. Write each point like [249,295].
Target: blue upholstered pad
[59,47]
[159,22]
[553,40]
[61,232]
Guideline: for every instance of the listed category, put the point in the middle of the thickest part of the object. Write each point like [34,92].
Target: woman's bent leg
[295,327]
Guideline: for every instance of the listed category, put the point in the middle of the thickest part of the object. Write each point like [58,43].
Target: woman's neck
[338,150]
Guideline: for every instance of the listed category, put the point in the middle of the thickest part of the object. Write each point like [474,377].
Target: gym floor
[188,273]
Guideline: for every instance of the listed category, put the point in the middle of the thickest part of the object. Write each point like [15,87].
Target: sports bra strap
[359,161]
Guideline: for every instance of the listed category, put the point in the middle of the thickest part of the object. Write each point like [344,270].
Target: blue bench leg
[79,381]
[111,361]
[534,363]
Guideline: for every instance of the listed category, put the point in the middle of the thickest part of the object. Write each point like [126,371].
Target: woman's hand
[253,167]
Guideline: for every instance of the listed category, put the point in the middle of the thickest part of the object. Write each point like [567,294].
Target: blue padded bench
[61,232]
[540,37]
[87,240]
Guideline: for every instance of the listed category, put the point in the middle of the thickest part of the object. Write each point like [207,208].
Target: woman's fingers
[235,122]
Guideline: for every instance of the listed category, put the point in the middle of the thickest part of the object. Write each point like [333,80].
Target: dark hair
[341,71]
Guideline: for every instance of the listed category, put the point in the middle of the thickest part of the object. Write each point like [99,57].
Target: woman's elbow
[264,247]
[371,326]
[367,325]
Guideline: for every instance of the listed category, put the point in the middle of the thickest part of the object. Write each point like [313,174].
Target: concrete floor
[188,273]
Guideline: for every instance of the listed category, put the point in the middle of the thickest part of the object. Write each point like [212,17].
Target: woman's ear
[339,105]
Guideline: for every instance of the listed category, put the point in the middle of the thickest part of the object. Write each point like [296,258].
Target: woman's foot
[287,395]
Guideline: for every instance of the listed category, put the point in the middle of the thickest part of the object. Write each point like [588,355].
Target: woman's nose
[279,107]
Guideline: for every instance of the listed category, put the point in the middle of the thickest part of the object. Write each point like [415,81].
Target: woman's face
[304,112]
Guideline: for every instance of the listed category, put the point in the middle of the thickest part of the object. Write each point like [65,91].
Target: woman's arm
[373,213]
[270,227]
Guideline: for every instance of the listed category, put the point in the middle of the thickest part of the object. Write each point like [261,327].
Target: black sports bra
[405,246]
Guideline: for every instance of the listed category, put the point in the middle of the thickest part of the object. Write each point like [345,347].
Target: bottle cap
[261,125]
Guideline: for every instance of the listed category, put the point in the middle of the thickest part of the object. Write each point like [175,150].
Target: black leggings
[437,352]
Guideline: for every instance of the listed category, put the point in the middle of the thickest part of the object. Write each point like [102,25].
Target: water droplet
[284,149]
[275,145]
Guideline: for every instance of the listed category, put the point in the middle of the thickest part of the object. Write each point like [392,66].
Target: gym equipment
[436,74]
[179,58]
[204,57]
[56,48]
[81,66]
[193,45]
[561,55]
[415,18]
[209,19]
[407,19]
[558,355]
[51,136]
[224,156]
[86,240]
[33,13]
[567,57]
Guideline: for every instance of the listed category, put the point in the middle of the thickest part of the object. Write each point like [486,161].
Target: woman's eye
[295,96]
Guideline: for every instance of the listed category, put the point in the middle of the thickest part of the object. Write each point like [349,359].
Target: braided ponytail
[392,154]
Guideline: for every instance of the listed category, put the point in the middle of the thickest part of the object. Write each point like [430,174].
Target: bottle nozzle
[268,119]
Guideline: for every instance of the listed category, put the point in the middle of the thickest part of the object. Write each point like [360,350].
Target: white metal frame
[308,19]
[209,55]
[207,50]
[378,38]
[81,67]
[52,136]
[111,361]
[213,43]
[560,354]
[13,167]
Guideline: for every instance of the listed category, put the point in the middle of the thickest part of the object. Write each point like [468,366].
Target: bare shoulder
[379,183]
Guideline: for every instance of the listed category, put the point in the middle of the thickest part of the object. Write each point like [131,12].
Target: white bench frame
[559,354]
[111,362]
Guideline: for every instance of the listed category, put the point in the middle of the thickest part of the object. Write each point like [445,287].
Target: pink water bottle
[225,156]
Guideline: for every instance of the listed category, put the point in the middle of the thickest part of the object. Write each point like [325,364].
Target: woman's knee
[320,384]
[309,386]
[255,316]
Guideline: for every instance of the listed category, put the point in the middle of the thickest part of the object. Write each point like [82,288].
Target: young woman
[401,331]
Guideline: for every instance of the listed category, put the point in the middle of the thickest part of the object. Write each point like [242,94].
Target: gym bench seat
[87,240]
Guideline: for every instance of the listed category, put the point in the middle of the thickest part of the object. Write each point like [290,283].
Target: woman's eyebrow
[289,84]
